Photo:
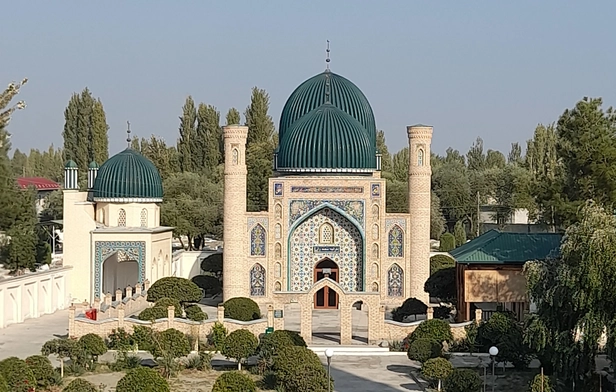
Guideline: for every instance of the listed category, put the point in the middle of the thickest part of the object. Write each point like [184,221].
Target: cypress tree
[187,135]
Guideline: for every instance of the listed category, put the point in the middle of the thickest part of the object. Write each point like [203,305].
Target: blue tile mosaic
[355,208]
[395,281]
[257,280]
[395,242]
[257,241]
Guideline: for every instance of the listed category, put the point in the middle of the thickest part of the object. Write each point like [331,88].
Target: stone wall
[134,302]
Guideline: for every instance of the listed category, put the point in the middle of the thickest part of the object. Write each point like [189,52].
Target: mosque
[326,234]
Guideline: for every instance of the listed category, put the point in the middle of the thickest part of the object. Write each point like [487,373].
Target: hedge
[80,385]
[17,374]
[153,313]
[299,369]
[4,387]
[463,380]
[181,289]
[239,345]
[410,307]
[448,242]
[142,379]
[234,382]
[170,341]
[195,313]
[242,309]
[423,349]
[42,369]
[166,302]
[438,330]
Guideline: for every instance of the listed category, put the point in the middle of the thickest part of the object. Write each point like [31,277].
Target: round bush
[179,289]
[448,242]
[410,307]
[143,337]
[153,313]
[438,330]
[234,382]
[503,331]
[299,369]
[4,387]
[172,342]
[243,309]
[423,349]
[210,284]
[438,262]
[166,302]
[80,385]
[42,369]
[272,342]
[239,345]
[92,344]
[142,379]
[435,369]
[463,380]
[195,313]
[121,340]
[17,374]
[213,264]
[535,386]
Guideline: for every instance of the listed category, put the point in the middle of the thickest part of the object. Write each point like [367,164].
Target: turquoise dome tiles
[326,139]
[128,177]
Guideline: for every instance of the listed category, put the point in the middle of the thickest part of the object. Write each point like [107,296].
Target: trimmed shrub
[143,337]
[217,336]
[463,380]
[170,342]
[439,262]
[42,369]
[504,332]
[535,386]
[448,242]
[180,289]
[209,284]
[120,340]
[195,313]
[234,382]
[442,312]
[63,348]
[272,342]
[4,387]
[242,309]
[436,369]
[423,349]
[442,285]
[80,385]
[297,339]
[153,313]
[166,302]
[410,307]
[459,233]
[213,264]
[299,369]
[92,346]
[142,379]
[17,375]
[437,330]
[239,345]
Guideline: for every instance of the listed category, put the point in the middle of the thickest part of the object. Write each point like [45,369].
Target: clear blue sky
[469,68]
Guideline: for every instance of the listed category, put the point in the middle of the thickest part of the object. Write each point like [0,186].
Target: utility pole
[477,230]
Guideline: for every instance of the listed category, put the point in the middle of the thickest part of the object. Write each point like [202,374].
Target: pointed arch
[257,240]
[235,156]
[396,242]
[326,233]
[122,218]
[420,157]
[395,281]
[257,280]
[144,217]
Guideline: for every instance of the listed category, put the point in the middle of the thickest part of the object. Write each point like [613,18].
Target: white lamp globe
[329,353]
[493,351]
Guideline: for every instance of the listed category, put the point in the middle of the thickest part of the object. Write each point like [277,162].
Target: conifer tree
[187,135]
[233,117]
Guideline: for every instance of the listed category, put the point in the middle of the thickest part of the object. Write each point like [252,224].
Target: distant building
[43,188]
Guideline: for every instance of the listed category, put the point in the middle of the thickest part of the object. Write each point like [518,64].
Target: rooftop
[40,183]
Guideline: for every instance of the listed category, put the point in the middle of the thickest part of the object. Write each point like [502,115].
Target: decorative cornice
[127,200]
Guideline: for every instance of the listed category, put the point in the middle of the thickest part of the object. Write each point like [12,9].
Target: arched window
[257,241]
[278,270]
[277,287]
[395,281]
[420,157]
[257,280]
[396,242]
[144,218]
[278,251]
[235,155]
[122,218]
[326,234]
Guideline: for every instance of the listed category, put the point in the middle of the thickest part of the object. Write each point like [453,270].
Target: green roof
[128,177]
[70,165]
[494,247]
[326,139]
[93,165]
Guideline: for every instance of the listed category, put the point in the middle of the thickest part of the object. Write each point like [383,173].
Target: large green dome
[326,139]
[128,177]
[332,88]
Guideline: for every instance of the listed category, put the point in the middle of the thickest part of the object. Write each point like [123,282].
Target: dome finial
[327,59]
[128,133]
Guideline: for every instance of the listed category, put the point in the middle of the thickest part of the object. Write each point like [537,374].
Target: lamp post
[329,353]
[493,354]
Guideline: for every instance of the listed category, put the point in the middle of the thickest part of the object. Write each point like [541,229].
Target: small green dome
[331,88]
[128,177]
[326,140]
[70,165]
[93,165]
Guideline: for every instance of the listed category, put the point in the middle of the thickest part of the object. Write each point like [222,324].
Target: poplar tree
[187,135]
[209,136]
[233,117]
[259,150]
[386,163]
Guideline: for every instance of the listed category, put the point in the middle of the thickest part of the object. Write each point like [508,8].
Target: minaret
[92,172]
[236,279]
[70,176]
[418,233]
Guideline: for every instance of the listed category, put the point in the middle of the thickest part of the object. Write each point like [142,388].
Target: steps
[358,350]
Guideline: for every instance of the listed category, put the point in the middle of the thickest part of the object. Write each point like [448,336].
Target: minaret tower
[235,269]
[418,234]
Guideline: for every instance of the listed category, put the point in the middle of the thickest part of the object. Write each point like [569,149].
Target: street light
[493,354]
[329,353]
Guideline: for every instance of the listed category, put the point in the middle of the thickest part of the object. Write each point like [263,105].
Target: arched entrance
[118,273]
[326,298]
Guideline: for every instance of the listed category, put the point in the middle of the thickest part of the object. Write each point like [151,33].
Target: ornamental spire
[327,59]
[128,139]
